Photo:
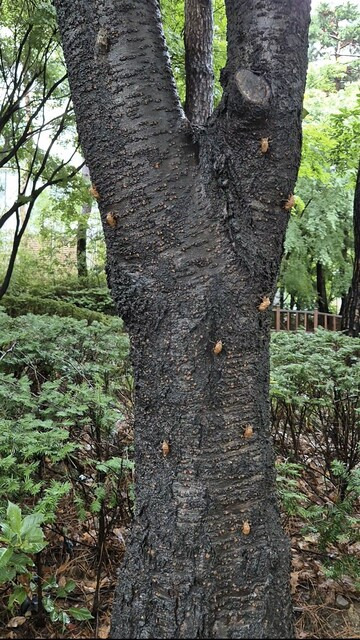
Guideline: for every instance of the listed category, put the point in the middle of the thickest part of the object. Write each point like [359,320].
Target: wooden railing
[288,320]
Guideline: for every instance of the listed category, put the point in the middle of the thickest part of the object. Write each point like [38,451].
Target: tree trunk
[81,243]
[321,289]
[351,315]
[198,60]
[81,235]
[194,225]
[282,297]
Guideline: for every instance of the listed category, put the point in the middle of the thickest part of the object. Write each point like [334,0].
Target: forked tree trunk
[194,231]
[351,314]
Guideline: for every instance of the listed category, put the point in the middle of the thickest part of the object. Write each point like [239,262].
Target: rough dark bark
[198,39]
[322,301]
[194,242]
[351,314]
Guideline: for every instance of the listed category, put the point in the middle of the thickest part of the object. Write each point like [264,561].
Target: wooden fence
[288,320]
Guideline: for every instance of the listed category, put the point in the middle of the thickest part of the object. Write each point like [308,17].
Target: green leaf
[63,617]
[304,113]
[18,595]
[30,524]
[49,605]
[80,613]
[5,555]
[64,591]
[6,574]
[70,586]
[13,514]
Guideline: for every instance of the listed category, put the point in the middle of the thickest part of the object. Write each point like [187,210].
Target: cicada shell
[94,192]
[264,145]
[165,448]
[264,304]
[111,220]
[248,431]
[289,203]
[218,347]
[246,528]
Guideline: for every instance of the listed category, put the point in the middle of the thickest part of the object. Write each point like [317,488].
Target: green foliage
[36,117]
[333,523]
[336,522]
[293,501]
[346,132]
[328,78]
[322,233]
[20,304]
[315,411]
[57,375]
[315,389]
[321,226]
[62,387]
[58,613]
[21,537]
[31,72]
[86,295]
[335,30]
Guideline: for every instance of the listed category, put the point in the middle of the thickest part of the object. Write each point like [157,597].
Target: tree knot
[254,90]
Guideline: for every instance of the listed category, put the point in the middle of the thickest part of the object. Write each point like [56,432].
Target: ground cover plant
[315,412]
[65,466]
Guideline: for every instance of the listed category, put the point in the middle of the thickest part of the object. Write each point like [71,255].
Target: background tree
[317,265]
[346,126]
[194,220]
[335,34]
[351,313]
[35,112]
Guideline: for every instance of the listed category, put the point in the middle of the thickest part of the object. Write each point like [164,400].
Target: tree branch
[122,45]
[26,133]
[256,46]
[198,60]
[19,233]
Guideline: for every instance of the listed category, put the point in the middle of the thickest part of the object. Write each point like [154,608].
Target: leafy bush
[64,388]
[58,378]
[32,281]
[24,303]
[315,398]
[333,523]
[22,536]
[84,295]
[315,405]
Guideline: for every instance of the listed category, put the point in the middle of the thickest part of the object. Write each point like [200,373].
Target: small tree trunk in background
[281,298]
[81,243]
[351,316]
[81,235]
[321,289]
[194,222]
[198,60]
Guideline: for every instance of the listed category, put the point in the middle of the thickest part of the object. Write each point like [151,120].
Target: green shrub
[21,304]
[59,378]
[334,524]
[63,383]
[315,397]
[315,407]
